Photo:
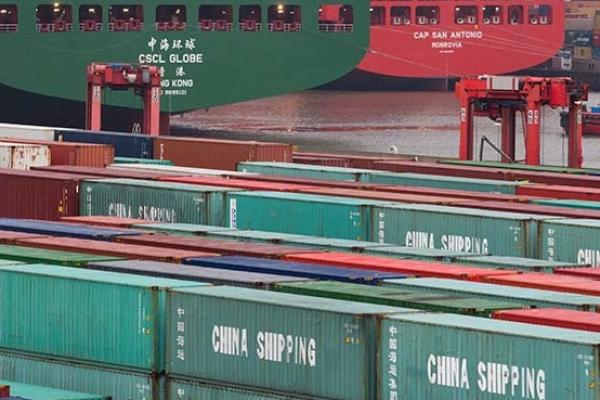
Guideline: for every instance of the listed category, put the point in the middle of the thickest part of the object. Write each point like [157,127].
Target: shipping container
[82,154]
[432,168]
[10,237]
[18,390]
[582,53]
[399,297]
[41,195]
[180,229]
[444,182]
[326,216]
[54,257]
[112,222]
[532,297]
[213,153]
[320,348]
[576,241]
[219,246]
[323,161]
[23,156]
[356,161]
[515,263]
[239,183]
[570,319]
[457,229]
[561,192]
[305,171]
[589,205]
[415,253]
[515,166]
[559,283]
[390,265]
[106,172]
[112,249]
[63,229]
[591,272]
[26,132]
[125,144]
[536,209]
[173,170]
[258,236]
[118,384]
[154,201]
[473,358]
[132,160]
[93,316]
[9,262]
[193,273]
[300,269]
[188,389]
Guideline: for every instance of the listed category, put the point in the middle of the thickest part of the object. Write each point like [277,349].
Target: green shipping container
[154,201]
[33,392]
[497,164]
[68,375]
[132,160]
[55,257]
[275,341]
[179,389]
[444,182]
[446,356]
[95,316]
[9,262]
[180,229]
[589,205]
[516,263]
[254,236]
[457,229]
[333,217]
[416,253]
[305,171]
[571,240]
[530,297]
[399,297]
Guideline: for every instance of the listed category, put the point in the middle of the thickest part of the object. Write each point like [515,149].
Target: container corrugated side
[515,263]
[154,201]
[457,229]
[63,229]
[180,229]
[35,392]
[26,132]
[532,297]
[125,144]
[399,297]
[570,319]
[473,358]
[54,257]
[94,316]
[303,171]
[23,156]
[325,216]
[304,345]
[70,375]
[576,241]
[180,388]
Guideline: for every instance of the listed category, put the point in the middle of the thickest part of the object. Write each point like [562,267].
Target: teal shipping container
[333,217]
[305,171]
[254,236]
[399,297]
[589,205]
[179,389]
[416,253]
[94,316]
[180,229]
[33,392]
[117,384]
[447,356]
[308,346]
[535,298]
[444,182]
[515,263]
[132,160]
[9,262]
[464,230]
[153,201]
[571,240]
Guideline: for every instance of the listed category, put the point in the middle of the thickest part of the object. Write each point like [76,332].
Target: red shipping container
[238,183]
[356,161]
[108,172]
[38,194]
[218,154]
[82,154]
[100,247]
[560,192]
[113,222]
[587,272]
[558,317]
[385,196]
[223,247]
[558,283]
[323,161]
[410,267]
[303,181]
[462,194]
[10,237]
[444,169]
[532,209]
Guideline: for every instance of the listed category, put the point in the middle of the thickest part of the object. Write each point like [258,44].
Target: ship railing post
[575,136]
[508,125]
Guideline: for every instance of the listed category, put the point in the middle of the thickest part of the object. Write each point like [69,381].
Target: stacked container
[23,156]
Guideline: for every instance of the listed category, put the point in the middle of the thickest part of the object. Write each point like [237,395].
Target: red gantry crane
[143,78]
[501,97]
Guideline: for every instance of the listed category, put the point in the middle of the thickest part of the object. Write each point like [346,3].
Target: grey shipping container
[570,240]
[304,171]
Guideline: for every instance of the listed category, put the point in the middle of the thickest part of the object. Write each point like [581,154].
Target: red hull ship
[435,39]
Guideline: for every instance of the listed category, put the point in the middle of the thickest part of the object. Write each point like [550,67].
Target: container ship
[208,54]
[445,40]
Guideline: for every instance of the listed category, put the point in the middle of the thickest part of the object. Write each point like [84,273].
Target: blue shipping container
[125,144]
[63,229]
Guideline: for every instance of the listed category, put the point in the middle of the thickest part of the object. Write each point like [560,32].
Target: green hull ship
[209,54]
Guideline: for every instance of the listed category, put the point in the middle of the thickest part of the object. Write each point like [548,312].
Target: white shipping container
[23,156]
[26,132]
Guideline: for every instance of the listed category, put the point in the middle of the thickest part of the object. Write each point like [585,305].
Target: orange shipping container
[80,154]
[218,154]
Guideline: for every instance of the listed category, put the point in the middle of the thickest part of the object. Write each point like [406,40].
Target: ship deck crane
[143,78]
[501,97]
